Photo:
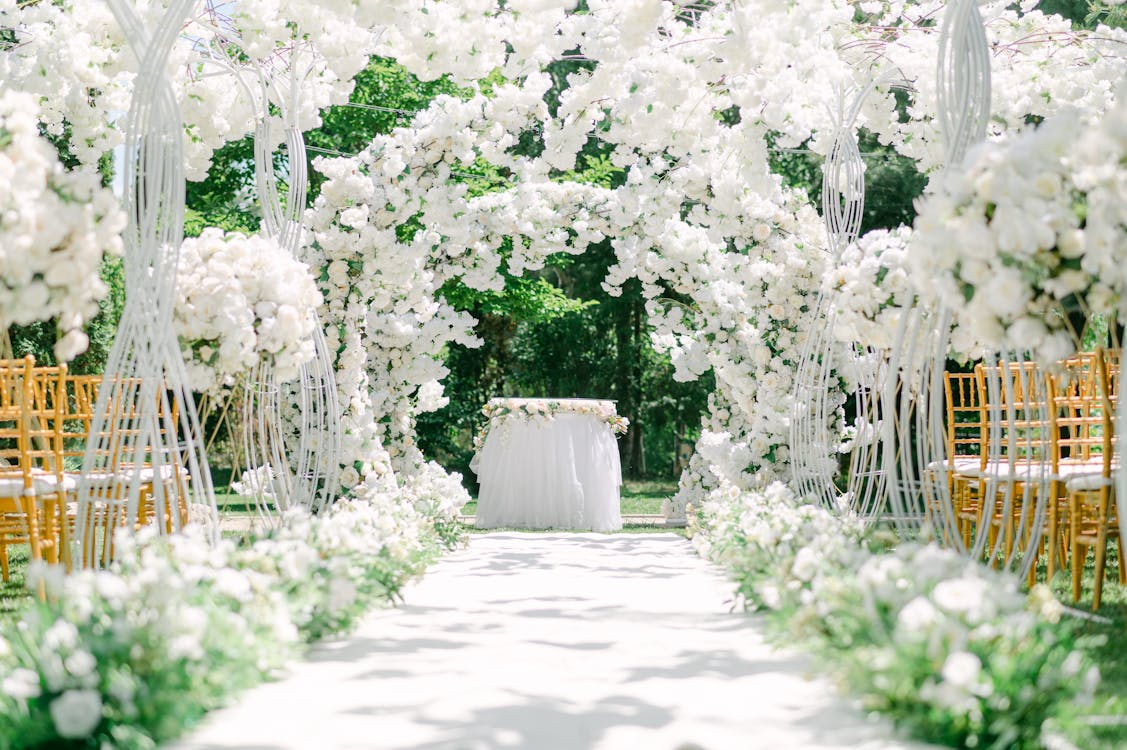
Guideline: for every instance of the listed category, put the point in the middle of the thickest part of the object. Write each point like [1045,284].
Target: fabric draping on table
[558,473]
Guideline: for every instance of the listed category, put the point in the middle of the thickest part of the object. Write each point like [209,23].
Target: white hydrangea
[242,300]
[870,288]
[1003,241]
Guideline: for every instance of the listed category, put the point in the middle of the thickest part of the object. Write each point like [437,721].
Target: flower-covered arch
[686,102]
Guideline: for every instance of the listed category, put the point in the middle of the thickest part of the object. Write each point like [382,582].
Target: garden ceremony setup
[545,374]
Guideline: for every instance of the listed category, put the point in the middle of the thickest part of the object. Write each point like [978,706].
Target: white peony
[242,301]
[76,713]
[962,670]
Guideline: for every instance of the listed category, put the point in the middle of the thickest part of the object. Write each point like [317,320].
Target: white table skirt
[562,473]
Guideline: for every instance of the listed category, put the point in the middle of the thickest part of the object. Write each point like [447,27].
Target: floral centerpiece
[55,227]
[242,300]
[499,410]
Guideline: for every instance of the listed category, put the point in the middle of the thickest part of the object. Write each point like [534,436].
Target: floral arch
[682,105]
[686,102]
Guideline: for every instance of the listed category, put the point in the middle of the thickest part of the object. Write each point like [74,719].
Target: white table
[550,472]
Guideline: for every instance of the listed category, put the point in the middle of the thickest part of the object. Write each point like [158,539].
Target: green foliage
[1076,11]
[892,182]
[226,199]
[1114,15]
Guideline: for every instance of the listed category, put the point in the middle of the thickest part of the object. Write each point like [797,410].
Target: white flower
[962,669]
[22,684]
[342,593]
[918,615]
[963,596]
[81,663]
[76,713]
[806,563]
[241,301]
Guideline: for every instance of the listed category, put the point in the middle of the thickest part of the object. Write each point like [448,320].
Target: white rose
[76,713]
[21,684]
[962,669]
[963,596]
[917,615]
[806,564]
[81,663]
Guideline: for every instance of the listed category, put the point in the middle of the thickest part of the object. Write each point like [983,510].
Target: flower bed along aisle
[948,648]
[129,657]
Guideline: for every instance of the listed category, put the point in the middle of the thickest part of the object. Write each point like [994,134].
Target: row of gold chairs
[46,420]
[1015,430]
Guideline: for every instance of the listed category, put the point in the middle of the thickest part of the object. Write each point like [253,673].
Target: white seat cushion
[960,464]
[47,483]
[1093,481]
[11,487]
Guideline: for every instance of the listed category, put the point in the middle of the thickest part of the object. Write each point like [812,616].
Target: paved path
[551,642]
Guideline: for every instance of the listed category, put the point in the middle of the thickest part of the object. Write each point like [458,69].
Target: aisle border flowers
[131,656]
[950,649]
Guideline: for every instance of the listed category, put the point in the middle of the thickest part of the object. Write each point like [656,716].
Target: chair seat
[1025,471]
[1089,482]
[959,464]
[41,483]
[146,475]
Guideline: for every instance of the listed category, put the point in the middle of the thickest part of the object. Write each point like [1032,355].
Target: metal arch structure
[813,447]
[1013,491]
[963,80]
[144,462]
[295,425]
[291,432]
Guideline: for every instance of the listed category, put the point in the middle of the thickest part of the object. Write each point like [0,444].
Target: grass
[1103,724]
[639,497]
[14,595]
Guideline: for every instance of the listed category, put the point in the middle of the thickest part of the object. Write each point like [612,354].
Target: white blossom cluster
[1008,242]
[178,620]
[773,529]
[967,622]
[1039,66]
[55,228]
[242,300]
[178,606]
[914,631]
[870,288]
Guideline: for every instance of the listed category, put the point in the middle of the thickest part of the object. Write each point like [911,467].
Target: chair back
[1017,406]
[966,416]
[14,376]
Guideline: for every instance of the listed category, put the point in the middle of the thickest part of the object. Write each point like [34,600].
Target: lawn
[641,497]
[1102,725]
[13,593]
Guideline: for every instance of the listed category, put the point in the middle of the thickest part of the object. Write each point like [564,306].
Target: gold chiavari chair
[45,411]
[1091,495]
[110,484]
[33,490]
[18,521]
[966,447]
[1018,445]
[1074,429]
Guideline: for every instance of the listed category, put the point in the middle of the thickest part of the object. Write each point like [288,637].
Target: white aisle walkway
[551,642]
